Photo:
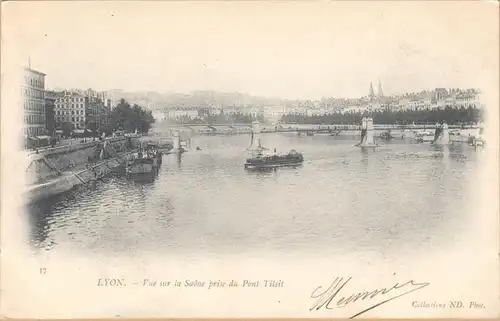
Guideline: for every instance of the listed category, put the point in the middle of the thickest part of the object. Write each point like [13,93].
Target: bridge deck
[312,128]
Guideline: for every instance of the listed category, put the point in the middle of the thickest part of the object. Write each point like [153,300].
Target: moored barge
[145,161]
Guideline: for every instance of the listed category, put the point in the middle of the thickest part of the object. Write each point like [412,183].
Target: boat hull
[144,169]
[272,165]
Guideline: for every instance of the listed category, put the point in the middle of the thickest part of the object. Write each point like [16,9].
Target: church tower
[372,93]
[380,92]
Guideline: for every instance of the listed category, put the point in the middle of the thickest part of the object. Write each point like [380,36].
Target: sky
[294,50]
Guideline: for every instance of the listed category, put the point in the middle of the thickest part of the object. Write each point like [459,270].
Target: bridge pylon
[367,133]
[442,134]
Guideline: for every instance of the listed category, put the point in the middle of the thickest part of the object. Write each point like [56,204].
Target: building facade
[181,112]
[439,94]
[97,114]
[33,100]
[94,95]
[50,121]
[70,109]
[82,109]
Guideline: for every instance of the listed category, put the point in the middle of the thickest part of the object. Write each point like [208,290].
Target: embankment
[56,170]
[66,157]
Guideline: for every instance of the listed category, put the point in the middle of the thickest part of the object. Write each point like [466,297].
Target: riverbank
[59,169]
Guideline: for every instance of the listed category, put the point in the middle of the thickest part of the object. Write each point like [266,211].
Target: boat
[142,165]
[145,161]
[423,136]
[328,131]
[154,151]
[263,161]
[335,133]
[386,135]
[478,141]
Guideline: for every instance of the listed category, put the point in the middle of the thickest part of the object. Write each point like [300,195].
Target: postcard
[220,159]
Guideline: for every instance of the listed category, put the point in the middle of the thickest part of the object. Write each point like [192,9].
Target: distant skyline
[290,50]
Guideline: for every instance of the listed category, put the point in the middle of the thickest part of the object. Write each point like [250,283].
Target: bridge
[246,128]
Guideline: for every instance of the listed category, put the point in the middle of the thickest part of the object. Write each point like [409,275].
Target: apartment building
[33,101]
[70,107]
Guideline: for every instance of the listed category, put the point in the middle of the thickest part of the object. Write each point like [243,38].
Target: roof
[50,94]
[34,71]
[68,94]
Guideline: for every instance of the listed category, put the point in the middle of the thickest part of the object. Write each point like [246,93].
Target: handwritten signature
[326,296]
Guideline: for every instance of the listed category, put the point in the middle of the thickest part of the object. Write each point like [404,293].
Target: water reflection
[179,159]
[38,218]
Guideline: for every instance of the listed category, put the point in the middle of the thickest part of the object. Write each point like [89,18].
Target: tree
[449,115]
[127,118]
[105,129]
[93,128]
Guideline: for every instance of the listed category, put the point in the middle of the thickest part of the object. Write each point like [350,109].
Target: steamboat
[261,159]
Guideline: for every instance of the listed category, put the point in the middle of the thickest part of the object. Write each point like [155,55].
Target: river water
[400,197]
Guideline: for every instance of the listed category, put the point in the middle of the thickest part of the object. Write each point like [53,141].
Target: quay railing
[73,147]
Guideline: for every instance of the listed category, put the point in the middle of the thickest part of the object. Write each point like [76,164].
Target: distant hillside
[150,99]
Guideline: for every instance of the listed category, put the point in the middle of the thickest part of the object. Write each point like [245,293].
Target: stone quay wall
[69,156]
